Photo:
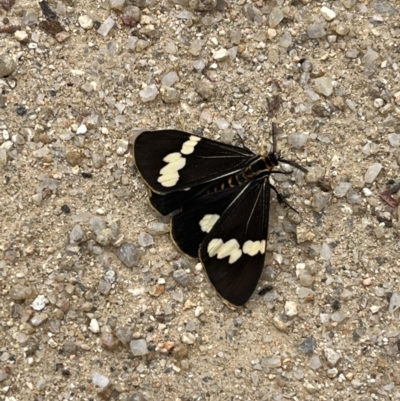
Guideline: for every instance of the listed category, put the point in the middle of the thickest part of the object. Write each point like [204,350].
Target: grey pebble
[97,224]
[145,239]
[353,197]
[352,53]
[149,93]
[205,89]
[308,346]
[170,95]
[98,160]
[370,60]
[252,13]
[188,338]
[325,252]
[69,347]
[7,65]
[372,173]
[275,17]
[394,303]
[315,362]
[117,5]
[298,140]
[140,46]
[104,237]
[316,31]
[106,26]
[124,334]
[138,347]
[181,277]
[271,362]
[3,157]
[132,42]
[332,357]
[77,236]
[384,7]
[342,188]
[170,78]
[39,319]
[100,380]
[128,254]
[323,86]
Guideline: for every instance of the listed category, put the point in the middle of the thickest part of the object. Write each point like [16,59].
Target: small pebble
[94,326]
[85,22]
[100,380]
[372,173]
[77,235]
[316,31]
[290,308]
[394,303]
[328,14]
[331,356]
[323,86]
[181,277]
[149,93]
[188,338]
[128,254]
[106,27]
[124,334]
[39,303]
[139,347]
[145,239]
[7,65]
[308,346]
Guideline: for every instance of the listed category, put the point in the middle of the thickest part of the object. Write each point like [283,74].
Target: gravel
[97,302]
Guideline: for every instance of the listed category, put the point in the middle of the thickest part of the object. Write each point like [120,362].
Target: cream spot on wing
[169,175]
[188,146]
[235,255]
[213,246]
[207,222]
[253,247]
[230,248]
[168,180]
[172,157]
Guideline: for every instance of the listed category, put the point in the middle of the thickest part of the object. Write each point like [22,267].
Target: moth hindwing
[220,195]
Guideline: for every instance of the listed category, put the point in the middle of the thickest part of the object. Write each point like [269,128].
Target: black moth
[220,195]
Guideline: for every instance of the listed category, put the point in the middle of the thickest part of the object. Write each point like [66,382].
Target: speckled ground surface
[96,302]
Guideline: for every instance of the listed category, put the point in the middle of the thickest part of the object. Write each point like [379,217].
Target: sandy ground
[96,301]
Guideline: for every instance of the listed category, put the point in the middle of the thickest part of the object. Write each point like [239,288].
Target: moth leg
[281,199]
[242,142]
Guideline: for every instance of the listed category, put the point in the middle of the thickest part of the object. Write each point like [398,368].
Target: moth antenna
[274,131]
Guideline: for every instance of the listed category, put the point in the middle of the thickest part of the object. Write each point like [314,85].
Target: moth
[219,197]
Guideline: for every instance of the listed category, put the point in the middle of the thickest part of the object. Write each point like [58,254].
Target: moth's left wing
[233,252]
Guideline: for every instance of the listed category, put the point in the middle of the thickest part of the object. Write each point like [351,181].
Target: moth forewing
[170,160]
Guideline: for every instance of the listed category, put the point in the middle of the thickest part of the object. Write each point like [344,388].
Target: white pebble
[82,129]
[85,22]
[220,54]
[94,326]
[328,14]
[39,303]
